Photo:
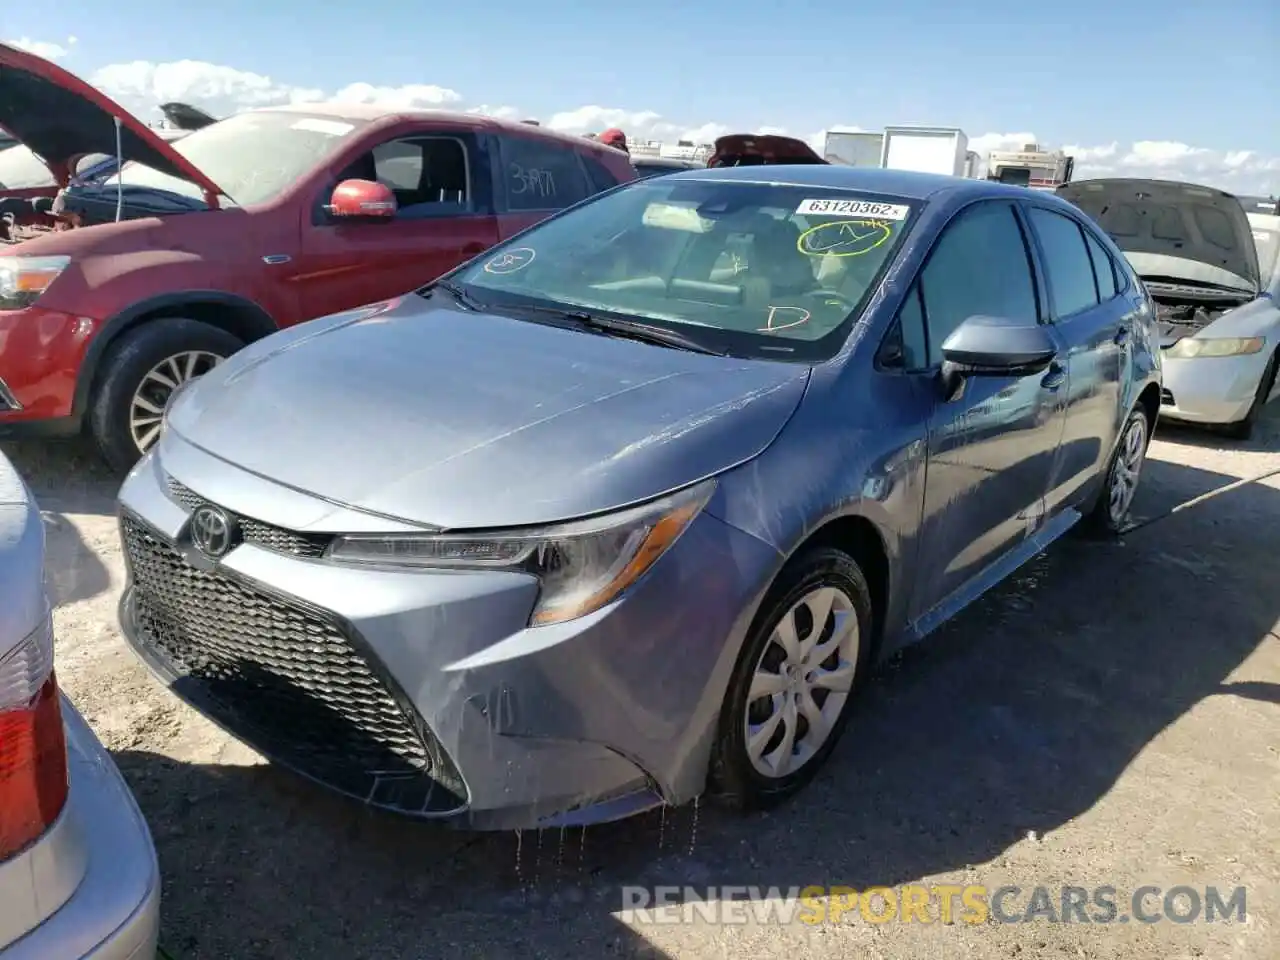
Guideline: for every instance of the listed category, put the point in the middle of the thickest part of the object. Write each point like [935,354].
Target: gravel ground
[1111,717]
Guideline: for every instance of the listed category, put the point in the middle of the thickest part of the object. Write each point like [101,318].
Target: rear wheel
[140,375]
[789,697]
[1243,429]
[1120,483]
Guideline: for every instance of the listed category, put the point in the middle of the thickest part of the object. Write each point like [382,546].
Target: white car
[1212,270]
[78,871]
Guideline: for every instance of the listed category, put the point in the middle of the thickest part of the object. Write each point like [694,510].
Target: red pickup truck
[256,222]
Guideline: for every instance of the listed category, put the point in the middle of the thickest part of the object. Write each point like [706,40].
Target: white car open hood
[1173,230]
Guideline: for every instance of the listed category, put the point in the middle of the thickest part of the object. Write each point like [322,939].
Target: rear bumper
[1211,390]
[41,352]
[114,913]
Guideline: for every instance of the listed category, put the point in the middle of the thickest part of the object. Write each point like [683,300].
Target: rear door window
[542,175]
[1104,268]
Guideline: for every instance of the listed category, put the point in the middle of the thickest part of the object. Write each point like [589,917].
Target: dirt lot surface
[1110,718]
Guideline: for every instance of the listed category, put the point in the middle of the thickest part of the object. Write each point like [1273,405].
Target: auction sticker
[855,208]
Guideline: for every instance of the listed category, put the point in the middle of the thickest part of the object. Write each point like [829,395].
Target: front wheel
[1120,483]
[140,375]
[788,700]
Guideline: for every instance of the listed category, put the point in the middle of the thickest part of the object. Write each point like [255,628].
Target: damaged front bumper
[426,692]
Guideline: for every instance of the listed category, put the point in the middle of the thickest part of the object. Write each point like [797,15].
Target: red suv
[257,222]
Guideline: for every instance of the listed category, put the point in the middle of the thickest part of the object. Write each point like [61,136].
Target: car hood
[742,149]
[422,412]
[60,117]
[1172,229]
[186,117]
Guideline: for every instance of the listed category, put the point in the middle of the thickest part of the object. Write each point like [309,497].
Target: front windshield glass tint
[749,269]
[253,157]
[20,169]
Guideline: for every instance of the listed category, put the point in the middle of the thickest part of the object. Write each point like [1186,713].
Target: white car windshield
[749,269]
[254,157]
[1268,246]
[20,169]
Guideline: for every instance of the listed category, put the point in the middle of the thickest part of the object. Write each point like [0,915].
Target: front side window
[752,269]
[979,267]
[426,174]
[253,157]
[20,169]
[1070,271]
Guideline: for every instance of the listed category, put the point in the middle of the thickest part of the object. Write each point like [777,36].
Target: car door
[445,215]
[539,176]
[1095,324]
[991,449]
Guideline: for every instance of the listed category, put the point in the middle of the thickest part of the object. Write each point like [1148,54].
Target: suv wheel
[141,373]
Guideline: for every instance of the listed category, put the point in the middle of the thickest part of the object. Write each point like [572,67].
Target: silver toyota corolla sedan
[78,872]
[623,510]
[1211,269]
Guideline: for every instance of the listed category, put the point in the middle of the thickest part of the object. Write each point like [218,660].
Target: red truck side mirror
[363,200]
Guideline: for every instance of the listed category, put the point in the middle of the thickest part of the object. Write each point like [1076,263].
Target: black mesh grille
[255,531]
[283,679]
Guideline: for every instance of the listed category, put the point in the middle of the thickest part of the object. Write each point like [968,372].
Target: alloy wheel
[147,408]
[802,682]
[1126,470]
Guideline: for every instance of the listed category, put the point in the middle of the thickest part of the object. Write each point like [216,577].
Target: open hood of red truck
[60,117]
[749,149]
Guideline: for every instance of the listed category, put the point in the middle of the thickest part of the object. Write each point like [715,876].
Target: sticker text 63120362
[855,208]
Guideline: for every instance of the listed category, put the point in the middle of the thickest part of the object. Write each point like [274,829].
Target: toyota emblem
[212,532]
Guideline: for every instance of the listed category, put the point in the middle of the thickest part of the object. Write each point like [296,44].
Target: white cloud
[141,86]
[409,97]
[42,48]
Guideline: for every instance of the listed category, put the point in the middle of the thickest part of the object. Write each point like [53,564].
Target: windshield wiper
[458,294]
[631,330]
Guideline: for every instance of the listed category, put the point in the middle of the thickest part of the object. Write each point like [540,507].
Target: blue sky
[1091,73]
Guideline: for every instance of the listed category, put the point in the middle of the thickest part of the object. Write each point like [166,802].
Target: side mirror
[995,347]
[362,201]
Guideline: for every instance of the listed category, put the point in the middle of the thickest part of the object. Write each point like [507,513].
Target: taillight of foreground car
[33,747]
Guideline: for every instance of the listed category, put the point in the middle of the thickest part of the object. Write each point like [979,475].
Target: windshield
[748,269]
[1268,244]
[20,169]
[253,157]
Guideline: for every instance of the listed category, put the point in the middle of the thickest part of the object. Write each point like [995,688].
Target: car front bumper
[114,911]
[1212,390]
[426,692]
[41,352]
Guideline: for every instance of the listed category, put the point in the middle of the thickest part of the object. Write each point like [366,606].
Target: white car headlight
[23,279]
[581,566]
[1189,347]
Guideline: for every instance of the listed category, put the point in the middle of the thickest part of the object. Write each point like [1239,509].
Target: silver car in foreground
[78,871]
[627,507]
[1212,271]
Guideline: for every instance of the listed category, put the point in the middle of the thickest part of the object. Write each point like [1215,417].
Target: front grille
[260,534]
[284,679]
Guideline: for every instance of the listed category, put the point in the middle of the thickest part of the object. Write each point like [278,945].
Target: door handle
[1055,378]
[1121,337]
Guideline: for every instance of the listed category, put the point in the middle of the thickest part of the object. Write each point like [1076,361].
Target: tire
[128,374]
[735,779]
[1243,429]
[1108,516]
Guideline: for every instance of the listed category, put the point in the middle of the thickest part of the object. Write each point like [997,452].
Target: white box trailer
[854,148]
[942,150]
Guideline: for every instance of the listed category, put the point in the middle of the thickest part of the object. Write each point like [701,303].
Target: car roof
[902,183]
[373,112]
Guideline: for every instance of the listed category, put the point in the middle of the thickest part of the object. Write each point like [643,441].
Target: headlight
[23,279]
[581,566]
[1189,347]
